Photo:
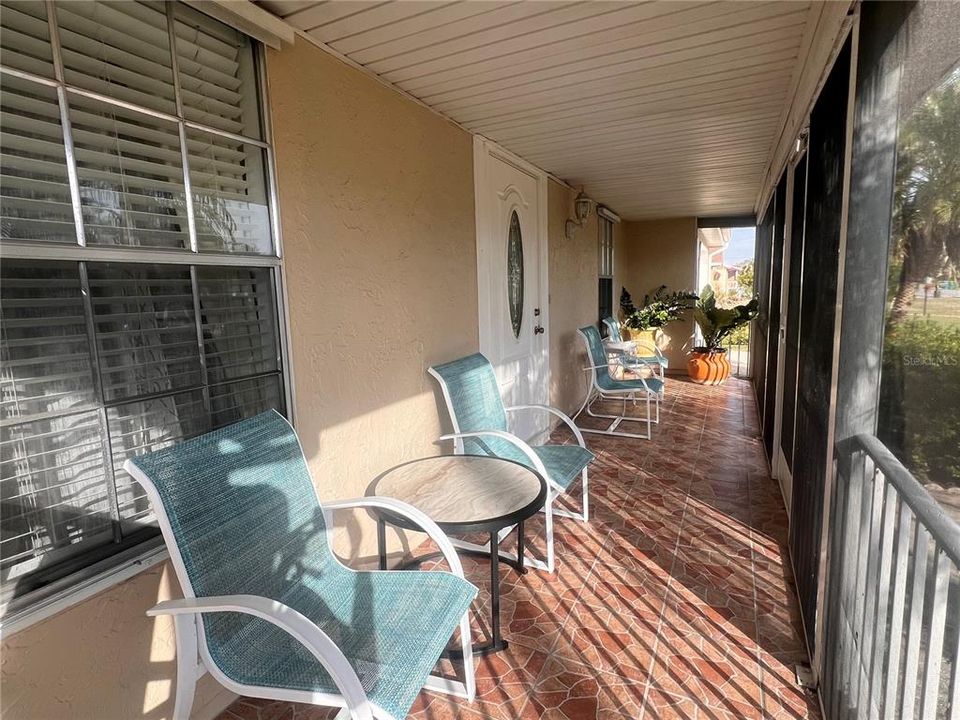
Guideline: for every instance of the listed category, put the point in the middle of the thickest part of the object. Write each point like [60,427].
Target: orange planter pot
[709,368]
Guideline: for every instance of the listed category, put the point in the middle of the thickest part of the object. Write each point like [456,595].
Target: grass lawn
[944,310]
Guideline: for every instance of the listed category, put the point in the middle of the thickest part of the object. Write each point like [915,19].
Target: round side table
[465,494]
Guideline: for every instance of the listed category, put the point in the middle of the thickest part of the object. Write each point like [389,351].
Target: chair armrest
[398,507]
[307,633]
[597,367]
[626,361]
[553,411]
[516,442]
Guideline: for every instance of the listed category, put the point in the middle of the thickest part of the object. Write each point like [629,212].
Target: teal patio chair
[604,387]
[268,607]
[634,354]
[480,427]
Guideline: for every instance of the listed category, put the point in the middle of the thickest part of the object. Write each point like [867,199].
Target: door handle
[538,330]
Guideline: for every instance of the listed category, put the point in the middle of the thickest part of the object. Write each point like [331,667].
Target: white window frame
[88,581]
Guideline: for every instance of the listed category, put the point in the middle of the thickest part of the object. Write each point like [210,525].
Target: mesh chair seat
[613,329]
[606,382]
[563,462]
[246,519]
[598,358]
[391,626]
[473,399]
[604,385]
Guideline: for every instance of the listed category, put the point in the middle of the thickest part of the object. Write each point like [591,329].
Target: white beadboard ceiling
[658,109]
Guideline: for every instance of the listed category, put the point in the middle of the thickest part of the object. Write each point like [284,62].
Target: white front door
[512,283]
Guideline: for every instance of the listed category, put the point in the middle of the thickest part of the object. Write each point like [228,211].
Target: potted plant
[708,363]
[659,308]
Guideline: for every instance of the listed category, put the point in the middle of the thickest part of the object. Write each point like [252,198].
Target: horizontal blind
[131,176]
[146,333]
[52,483]
[118,49]
[46,366]
[55,494]
[148,425]
[232,402]
[25,37]
[229,194]
[240,336]
[606,248]
[103,360]
[35,201]
[181,350]
[217,73]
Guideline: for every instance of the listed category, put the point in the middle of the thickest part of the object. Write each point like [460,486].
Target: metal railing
[892,604]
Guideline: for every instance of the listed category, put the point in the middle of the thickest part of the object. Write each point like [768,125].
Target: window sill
[76,588]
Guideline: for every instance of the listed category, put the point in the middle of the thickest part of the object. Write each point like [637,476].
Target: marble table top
[463,491]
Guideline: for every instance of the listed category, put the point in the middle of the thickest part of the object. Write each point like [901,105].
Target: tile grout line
[665,595]
[549,652]
[685,458]
[669,584]
[753,568]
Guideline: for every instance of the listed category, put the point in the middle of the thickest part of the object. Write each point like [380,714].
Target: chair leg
[649,423]
[586,497]
[548,513]
[466,644]
[186,632]
[612,428]
[449,686]
[549,528]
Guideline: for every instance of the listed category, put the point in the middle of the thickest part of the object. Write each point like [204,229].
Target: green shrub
[920,399]
[740,336]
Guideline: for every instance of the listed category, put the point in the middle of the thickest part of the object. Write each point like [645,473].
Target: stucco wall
[663,252]
[377,212]
[102,659]
[573,268]
[376,202]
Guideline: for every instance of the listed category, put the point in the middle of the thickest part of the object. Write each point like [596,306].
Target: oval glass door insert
[515,273]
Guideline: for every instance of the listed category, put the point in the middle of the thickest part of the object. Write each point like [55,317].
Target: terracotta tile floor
[675,601]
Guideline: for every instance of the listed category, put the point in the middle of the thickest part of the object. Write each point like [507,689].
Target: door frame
[779,466]
[775,466]
[483,149]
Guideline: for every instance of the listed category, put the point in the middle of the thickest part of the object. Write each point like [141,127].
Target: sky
[741,245]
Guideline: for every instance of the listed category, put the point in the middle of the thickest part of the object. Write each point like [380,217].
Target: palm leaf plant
[716,323]
[926,227]
[659,308]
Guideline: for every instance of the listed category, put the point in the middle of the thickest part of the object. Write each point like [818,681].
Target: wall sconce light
[581,210]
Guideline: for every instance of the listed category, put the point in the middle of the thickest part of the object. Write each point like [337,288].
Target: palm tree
[927,192]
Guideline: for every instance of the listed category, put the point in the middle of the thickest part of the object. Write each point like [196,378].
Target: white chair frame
[630,347]
[596,393]
[554,490]
[188,615]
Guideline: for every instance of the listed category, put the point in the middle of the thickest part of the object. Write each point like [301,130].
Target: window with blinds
[605,265]
[132,145]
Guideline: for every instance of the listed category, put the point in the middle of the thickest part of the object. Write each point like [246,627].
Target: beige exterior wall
[573,268]
[663,252]
[103,659]
[379,234]
[376,202]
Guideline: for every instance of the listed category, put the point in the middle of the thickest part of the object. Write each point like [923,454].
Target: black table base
[497,643]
